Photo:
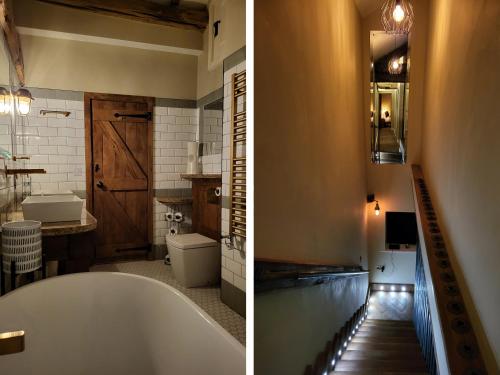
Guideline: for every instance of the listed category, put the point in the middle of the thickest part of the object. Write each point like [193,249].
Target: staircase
[382,347]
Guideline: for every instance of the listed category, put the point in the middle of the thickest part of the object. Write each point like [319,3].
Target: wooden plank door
[119,173]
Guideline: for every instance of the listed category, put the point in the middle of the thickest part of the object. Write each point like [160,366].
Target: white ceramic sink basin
[52,208]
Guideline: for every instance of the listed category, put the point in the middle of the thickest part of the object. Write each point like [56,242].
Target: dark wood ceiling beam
[188,15]
[12,39]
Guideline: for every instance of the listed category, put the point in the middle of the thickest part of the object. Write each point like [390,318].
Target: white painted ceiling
[366,7]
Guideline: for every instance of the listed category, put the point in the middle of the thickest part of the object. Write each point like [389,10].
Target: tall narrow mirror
[389,91]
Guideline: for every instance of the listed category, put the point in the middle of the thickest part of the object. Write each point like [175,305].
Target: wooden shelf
[200,176]
[175,200]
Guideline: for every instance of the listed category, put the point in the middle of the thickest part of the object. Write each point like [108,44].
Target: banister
[271,275]
[454,342]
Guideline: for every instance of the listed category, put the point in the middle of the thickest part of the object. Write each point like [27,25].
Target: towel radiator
[238,155]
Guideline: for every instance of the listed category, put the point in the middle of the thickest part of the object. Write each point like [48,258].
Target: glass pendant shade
[395,66]
[23,101]
[397,16]
[4,101]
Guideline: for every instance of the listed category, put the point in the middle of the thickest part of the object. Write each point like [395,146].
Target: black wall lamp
[370,198]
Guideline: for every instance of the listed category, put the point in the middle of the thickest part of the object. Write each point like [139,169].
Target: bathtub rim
[225,334]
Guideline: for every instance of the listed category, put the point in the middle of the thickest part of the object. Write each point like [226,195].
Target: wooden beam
[187,15]
[12,39]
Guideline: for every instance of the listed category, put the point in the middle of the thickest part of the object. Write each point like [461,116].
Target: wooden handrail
[461,348]
[274,275]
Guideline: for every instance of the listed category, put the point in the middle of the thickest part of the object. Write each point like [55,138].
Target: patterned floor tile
[207,298]
[390,305]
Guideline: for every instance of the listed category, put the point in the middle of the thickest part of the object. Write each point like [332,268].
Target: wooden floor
[383,347]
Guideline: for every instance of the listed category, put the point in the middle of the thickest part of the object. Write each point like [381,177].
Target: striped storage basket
[22,243]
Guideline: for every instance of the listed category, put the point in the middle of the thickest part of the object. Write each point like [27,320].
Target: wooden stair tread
[383,347]
[376,339]
[389,322]
[375,364]
[382,354]
[377,372]
[403,327]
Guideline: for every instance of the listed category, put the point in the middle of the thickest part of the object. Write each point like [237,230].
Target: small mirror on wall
[389,89]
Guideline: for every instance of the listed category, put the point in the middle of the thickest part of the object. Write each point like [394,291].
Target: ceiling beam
[12,39]
[188,15]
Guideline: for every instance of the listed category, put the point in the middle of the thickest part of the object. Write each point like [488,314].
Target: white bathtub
[114,323]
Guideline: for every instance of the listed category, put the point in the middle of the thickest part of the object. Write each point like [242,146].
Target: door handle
[100,184]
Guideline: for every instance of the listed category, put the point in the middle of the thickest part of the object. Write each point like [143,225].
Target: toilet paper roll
[178,217]
[169,216]
[172,231]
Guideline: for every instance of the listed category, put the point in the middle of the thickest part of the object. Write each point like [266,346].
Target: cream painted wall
[461,152]
[81,66]
[231,39]
[235,26]
[310,183]
[32,13]
[208,80]
[391,184]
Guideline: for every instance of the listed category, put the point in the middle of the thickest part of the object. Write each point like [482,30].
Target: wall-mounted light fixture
[370,198]
[4,101]
[23,100]
[397,16]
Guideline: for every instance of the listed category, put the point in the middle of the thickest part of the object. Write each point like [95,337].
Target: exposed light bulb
[403,289]
[398,13]
[395,64]
[393,288]
[377,209]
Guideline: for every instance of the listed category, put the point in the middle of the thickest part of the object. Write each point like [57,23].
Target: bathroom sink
[52,208]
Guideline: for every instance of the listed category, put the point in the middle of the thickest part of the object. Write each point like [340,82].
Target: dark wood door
[119,173]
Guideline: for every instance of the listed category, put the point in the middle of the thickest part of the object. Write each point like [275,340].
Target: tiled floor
[391,305]
[207,298]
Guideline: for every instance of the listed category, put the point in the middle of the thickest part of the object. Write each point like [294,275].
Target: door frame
[89,162]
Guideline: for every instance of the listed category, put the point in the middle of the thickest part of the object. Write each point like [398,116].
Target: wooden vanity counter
[70,243]
[86,224]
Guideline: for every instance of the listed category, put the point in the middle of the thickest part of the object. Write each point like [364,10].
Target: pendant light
[23,101]
[4,101]
[397,16]
[377,209]
[395,65]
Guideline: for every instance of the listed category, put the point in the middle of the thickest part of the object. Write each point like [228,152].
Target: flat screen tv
[400,229]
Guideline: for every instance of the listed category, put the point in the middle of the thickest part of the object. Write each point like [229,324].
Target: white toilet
[195,259]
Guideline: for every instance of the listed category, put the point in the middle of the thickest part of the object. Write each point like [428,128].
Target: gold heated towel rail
[238,154]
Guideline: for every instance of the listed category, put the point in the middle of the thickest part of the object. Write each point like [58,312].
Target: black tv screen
[401,228]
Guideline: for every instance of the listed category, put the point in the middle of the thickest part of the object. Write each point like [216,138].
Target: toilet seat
[190,241]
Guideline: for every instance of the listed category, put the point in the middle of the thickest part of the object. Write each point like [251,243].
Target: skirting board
[233,297]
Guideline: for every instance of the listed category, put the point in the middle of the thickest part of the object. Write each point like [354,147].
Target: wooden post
[12,39]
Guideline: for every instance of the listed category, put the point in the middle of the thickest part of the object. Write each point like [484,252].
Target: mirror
[211,136]
[389,89]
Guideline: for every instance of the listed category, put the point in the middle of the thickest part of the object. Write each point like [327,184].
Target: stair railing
[442,323]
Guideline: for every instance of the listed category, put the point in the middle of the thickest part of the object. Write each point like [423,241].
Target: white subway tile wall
[57,144]
[174,127]
[233,261]
[162,228]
